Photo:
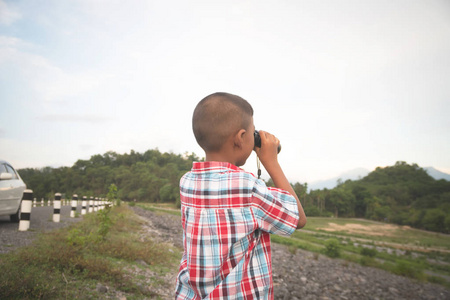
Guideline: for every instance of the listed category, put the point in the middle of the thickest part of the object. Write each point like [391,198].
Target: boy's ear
[239,138]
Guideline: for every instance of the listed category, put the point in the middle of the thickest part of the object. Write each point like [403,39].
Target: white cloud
[8,15]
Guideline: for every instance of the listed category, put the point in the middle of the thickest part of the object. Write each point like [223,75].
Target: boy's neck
[221,157]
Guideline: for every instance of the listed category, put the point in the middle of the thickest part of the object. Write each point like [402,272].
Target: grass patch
[70,262]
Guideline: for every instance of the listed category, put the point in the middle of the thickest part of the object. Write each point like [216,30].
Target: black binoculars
[258,141]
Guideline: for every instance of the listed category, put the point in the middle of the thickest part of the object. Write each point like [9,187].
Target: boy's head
[218,117]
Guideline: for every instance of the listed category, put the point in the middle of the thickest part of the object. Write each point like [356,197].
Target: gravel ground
[303,275]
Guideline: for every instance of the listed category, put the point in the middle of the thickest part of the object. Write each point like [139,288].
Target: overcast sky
[343,84]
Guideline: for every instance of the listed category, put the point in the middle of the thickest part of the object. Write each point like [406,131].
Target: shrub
[312,211]
[104,221]
[112,195]
[369,252]
[332,248]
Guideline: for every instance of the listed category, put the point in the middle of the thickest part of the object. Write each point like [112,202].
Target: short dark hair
[218,116]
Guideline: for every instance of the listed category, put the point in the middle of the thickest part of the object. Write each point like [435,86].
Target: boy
[227,213]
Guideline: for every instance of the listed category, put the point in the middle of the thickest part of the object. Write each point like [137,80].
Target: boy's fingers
[265,135]
[269,137]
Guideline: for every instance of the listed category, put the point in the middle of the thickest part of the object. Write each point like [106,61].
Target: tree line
[151,176]
[402,194]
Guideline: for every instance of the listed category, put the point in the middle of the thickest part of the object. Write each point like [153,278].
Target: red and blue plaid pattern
[227,215]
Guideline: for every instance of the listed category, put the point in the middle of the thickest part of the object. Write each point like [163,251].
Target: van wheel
[15,218]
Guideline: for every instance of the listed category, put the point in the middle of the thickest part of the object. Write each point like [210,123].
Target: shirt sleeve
[275,210]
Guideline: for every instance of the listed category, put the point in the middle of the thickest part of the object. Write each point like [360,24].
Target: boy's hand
[268,152]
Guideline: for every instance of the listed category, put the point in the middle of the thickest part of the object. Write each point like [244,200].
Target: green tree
[167,193]
[342,202]
[434,220]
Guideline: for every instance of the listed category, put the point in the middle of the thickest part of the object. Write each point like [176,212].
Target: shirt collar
[213,167]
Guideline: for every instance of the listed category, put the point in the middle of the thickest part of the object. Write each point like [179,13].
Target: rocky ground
[304,275]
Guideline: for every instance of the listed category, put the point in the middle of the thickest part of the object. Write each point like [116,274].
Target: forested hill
[403,194]
[151,176]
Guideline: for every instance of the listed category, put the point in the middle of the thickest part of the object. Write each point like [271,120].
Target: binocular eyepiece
[258,141]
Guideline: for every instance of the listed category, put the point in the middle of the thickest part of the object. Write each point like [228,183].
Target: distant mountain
[436,174]
[332,182]
[359,173]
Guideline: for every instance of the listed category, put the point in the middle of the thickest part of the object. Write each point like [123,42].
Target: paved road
[41,220]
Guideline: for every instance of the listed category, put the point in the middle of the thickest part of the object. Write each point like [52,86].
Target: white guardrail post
[91,205]
[57,208]
[74,205]
[83,206]
[25,210]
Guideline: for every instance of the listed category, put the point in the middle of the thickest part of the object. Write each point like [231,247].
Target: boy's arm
[268,156]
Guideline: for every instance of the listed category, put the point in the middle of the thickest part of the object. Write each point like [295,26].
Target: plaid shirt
[227,215]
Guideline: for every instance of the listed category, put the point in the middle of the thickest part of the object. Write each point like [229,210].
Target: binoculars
[258,141]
